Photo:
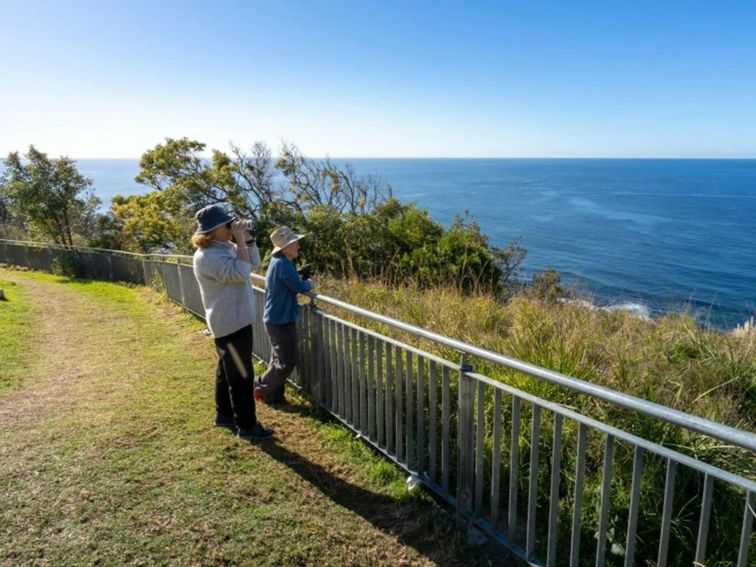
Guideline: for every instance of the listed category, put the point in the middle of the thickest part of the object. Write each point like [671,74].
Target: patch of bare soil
[50,382]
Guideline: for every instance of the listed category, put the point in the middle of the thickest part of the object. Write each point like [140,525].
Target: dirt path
[56,370]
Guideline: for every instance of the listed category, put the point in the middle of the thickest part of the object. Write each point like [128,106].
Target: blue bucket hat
[211,217]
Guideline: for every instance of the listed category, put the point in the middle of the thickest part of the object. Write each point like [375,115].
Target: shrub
[67,264]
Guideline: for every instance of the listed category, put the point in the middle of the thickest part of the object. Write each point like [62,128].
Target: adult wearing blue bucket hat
[222,269]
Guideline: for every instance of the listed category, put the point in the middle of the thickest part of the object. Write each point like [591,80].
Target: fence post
[464,444]
[317,351]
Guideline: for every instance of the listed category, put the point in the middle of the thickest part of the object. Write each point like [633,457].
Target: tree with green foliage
[11,226]
[183,182]
[358,229]
[50,196]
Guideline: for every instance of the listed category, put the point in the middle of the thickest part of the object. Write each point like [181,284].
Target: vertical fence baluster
[496,459]
[669,498]
[578,498]
[338,362]
[325,361]
[556,464]
[445,434]
[410,420]
[533,481]
[333,358]
[333,367]
[346,389]
[632,521]
[363,386]
[379,394]
[390,419]
[432,421]
[606,485]
[302,369]
[514,469]
[306,368]
[348,374]
[354,381]
[300,326]
[464,444]
[703,524]
[314,358]
[346,369]
[319,347]
[745,533]
[480,432]
[182,296]
[421,468]
[371,388]
[322,342]
[399,375]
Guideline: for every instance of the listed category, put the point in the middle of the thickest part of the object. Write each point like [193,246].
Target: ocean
[647,235]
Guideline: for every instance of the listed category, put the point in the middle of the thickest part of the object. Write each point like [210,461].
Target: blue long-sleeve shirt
[282,284]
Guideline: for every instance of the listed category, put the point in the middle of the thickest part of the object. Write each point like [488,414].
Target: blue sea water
[644,234]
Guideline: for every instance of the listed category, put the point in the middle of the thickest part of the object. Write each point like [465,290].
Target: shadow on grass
[414,522]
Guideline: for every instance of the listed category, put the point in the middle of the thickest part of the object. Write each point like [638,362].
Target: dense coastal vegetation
[372,250]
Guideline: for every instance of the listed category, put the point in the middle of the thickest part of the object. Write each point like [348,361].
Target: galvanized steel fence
[551,483]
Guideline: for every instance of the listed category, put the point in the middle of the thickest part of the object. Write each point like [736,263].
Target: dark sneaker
[281,402]
[224,421]
[256,433]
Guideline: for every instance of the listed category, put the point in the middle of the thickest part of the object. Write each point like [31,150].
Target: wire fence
[553,484]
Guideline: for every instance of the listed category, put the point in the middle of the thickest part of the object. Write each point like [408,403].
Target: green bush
[67,264]
[400,244]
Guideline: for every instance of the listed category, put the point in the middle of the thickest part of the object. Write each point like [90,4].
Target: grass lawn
[19,320]
[108,455]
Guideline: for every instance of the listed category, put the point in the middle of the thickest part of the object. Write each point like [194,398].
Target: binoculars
[249,227]
[305,272]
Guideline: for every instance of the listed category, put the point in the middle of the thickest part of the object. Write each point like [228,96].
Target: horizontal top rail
[91,249]
[737,437]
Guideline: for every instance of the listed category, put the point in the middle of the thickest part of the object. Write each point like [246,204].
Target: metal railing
[553,484]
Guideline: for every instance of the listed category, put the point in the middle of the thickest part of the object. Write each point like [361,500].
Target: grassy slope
[671,362]
[107,454]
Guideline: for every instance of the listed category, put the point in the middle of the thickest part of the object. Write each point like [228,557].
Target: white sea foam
[638,309]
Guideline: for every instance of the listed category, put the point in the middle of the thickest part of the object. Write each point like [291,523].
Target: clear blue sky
[382,78]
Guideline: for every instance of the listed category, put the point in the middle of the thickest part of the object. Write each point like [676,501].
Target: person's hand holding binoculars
[242,231]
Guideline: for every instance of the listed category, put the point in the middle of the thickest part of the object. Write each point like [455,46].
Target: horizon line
[474,157]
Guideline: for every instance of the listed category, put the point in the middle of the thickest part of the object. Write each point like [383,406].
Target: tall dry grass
[671,361]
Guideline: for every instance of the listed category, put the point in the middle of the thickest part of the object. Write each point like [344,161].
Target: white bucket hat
[282,237]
